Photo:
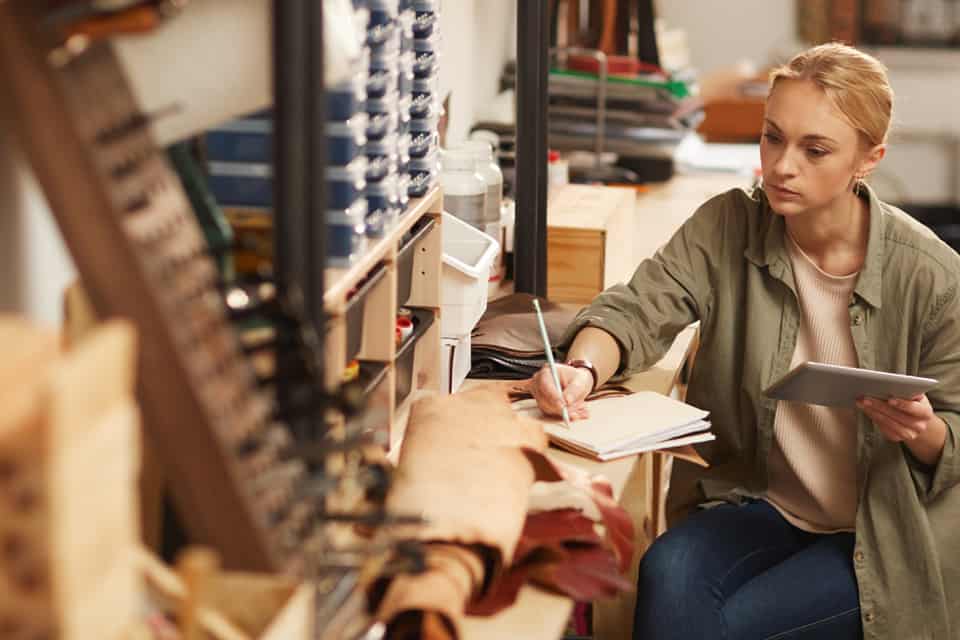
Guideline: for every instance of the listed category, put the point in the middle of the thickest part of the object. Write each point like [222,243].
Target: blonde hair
[854,81]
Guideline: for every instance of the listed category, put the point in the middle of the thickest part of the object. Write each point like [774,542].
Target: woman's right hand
[576,383]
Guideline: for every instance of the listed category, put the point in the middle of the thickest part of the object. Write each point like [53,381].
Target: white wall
[35,267]
[722,32]
[478,37]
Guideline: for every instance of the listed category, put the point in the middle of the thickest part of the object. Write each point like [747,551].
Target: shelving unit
[377,314]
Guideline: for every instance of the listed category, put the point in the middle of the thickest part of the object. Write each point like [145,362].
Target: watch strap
[581,363]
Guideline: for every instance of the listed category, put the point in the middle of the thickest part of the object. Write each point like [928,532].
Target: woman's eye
[771,137]
[817,152]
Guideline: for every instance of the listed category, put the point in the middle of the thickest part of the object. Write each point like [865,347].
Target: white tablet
[837,386]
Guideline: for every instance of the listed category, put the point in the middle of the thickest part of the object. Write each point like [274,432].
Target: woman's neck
[834,237]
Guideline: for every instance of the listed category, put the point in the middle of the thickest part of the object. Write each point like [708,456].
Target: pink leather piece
[618,526]
[562,552]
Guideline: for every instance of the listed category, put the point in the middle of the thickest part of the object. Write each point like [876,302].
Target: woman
[825,523]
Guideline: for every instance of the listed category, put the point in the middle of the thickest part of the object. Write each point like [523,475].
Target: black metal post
[530,245]
[299,224]
[316,235]
[290,147]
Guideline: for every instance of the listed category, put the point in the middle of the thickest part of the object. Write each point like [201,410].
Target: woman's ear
[871,158]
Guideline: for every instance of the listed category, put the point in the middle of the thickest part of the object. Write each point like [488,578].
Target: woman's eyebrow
[811,137]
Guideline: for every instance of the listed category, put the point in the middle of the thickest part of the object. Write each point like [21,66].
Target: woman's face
[808,152]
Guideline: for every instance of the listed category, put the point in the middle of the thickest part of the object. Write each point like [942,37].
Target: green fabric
[728,268]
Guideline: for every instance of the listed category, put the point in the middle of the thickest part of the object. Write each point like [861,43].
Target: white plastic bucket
[468,254]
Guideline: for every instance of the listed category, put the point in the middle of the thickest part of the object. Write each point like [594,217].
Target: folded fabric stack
[506,344]
[498,515]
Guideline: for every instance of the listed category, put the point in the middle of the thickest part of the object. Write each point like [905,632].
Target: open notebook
[626,425]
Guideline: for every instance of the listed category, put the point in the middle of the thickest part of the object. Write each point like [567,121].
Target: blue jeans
[739,572]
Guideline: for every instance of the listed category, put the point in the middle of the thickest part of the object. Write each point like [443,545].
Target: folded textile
[467,465]
[510,324]
[429,605]
[486,364]
[506,343]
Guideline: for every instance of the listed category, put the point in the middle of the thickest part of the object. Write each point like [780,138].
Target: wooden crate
[589,240]
[69,457]
[236,605]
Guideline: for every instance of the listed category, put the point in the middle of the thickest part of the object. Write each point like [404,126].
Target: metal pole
[299,187]
[291,83]
[316,234]
[530,252]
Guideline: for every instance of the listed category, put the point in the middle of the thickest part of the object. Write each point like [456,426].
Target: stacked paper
[627,425]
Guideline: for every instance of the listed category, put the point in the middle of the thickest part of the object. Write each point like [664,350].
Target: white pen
[553,365]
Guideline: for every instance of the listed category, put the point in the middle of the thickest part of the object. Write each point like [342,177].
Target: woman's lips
[783,191]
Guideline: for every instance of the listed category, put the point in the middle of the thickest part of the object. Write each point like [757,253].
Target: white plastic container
[467,257]
[455,364]
[464,190]
[491,174]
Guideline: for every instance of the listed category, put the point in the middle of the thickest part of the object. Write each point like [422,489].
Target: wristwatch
[582,363]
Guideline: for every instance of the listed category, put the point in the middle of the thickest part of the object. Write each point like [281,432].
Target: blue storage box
[381,124]
[382,194]
[424,23]
[346,184]
[346,233]
[425,64]
[346,98]
[246,140]
[427,44]
[423,142]
[423,174]
[345,140]
[379,167]
[385,146]
[403,187]
[381,81]
[241,184]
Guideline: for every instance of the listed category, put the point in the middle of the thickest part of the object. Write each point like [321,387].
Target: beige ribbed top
[812,464]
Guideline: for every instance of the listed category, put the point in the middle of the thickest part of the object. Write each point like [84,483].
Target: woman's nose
[785,164]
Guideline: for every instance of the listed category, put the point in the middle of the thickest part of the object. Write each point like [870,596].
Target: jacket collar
[766,247]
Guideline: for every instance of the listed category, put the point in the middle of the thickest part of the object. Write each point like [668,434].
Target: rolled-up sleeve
[666,293]
[940,359]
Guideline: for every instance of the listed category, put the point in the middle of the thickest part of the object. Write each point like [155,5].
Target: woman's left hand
[911,421]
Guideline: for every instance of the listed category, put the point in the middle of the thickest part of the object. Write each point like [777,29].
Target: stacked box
[384,110]
[425,106]
[240,155]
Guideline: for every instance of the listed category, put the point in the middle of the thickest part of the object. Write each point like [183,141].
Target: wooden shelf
[339,282]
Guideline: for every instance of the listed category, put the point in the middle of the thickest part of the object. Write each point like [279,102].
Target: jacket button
[868,616]
[858,557]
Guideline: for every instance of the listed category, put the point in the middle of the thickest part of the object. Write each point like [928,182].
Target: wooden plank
[587,207]
[79,319]
[427,268]
[94,441]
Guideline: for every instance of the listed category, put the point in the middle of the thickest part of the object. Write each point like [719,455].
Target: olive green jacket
[728,268]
